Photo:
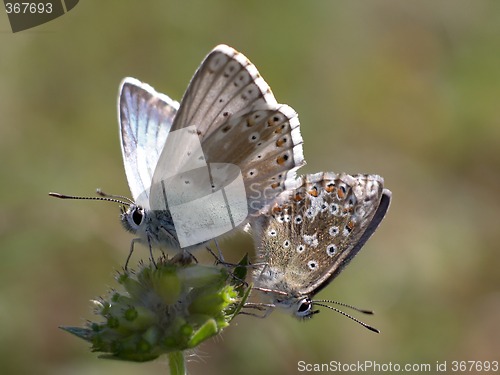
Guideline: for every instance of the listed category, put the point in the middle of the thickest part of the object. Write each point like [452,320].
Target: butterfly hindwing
[239,121]
[318,227]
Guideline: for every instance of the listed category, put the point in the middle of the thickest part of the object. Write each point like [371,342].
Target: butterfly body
[155,227]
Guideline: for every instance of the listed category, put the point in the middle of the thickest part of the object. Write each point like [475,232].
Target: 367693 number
[474,366]
[24,8]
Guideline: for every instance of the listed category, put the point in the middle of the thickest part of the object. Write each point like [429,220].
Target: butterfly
[311,233]
[228,116]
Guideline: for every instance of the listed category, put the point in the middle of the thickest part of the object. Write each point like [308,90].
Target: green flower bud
[166,308]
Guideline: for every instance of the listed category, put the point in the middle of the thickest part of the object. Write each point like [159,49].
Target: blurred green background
[407,90]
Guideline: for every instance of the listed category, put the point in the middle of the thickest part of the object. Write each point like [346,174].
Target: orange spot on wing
[313,192]
[350,225]
[340,193]
[276,209]
[282,159]
[280,142]
[298,197]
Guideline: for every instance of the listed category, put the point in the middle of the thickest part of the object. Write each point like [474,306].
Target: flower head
[163,308]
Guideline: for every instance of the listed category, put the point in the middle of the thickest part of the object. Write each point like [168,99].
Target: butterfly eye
[305,306]
[137,216]
[132,218]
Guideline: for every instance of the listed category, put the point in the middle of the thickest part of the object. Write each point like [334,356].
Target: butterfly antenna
[373,329]
[363,311]
[104,198]
[103,194]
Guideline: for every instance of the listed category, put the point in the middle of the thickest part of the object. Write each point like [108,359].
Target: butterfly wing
[238,121]
[145,118]
[318,227]
[226,81]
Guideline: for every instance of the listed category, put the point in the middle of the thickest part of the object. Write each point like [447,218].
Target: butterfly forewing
[225,83]
[145,119]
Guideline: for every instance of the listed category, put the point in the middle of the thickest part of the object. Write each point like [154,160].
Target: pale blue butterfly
[238,121]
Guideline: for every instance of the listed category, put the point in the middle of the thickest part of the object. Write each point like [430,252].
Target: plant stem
[177,363]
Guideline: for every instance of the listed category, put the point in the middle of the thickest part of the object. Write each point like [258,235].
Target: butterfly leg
[228,265]
[151,252]
[131,251]
[173,240]
[265,266]
[268,308]
[266,290]
[221,257]
[232,265]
